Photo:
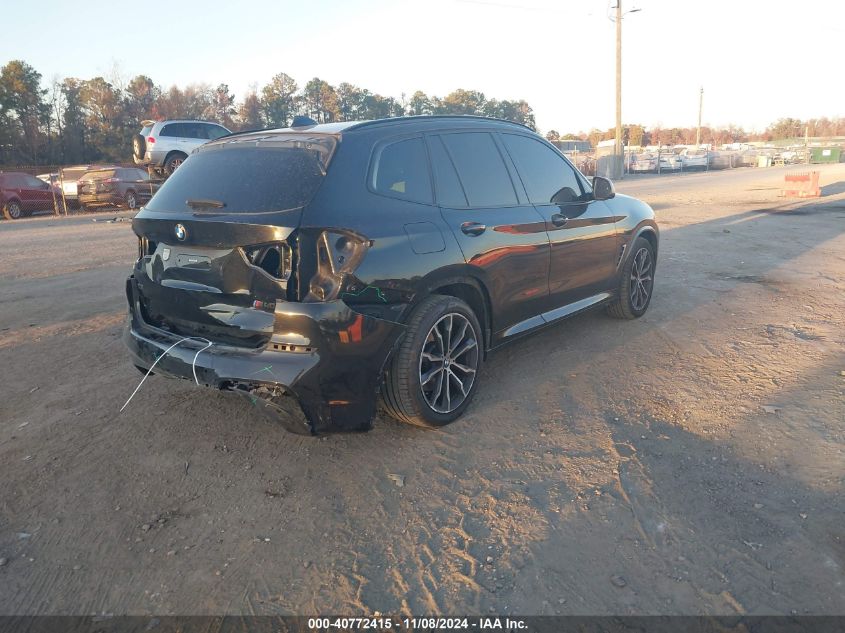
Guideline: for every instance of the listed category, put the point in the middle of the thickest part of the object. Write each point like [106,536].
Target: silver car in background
[645,162]
[695,159]
[669,161]
[163,145]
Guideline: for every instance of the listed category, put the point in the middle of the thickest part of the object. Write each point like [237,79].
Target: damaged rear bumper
[335,372]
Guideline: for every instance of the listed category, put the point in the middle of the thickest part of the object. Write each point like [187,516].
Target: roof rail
[418,117]
[385,121]
[260,129]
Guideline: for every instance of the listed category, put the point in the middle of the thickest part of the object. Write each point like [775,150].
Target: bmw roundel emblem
[181,232]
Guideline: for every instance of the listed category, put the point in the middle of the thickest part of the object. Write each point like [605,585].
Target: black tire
[173,161]
[13,210]
[402,393]
[131,200]
[629,303]
[139,146]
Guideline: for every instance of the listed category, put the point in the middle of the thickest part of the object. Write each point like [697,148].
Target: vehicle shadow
[833,188]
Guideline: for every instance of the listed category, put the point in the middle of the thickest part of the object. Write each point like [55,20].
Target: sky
[757,61]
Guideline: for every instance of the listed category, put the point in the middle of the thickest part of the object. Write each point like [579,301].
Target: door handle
[558,219]
[473,228]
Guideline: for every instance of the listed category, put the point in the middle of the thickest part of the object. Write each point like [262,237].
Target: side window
[448,187]
[481,169]
[214,132]
[31,182]
[171,129]
[544,172]
[401,171]
[190,130]
[199,130]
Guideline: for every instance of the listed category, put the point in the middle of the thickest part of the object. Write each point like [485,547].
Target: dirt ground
[688,462]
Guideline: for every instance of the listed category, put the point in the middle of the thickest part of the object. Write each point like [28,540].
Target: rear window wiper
[204,203]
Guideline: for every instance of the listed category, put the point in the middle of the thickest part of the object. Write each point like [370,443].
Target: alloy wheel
[130,201]
[14,210]
[448,363]
[641,279]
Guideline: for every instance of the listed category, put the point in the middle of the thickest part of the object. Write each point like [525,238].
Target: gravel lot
[689,462]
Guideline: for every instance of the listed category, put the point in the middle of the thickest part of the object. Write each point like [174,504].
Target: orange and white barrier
[801,185]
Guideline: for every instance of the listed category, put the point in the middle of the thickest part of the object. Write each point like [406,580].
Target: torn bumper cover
[335,372]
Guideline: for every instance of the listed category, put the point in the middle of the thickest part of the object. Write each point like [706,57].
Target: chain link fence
[36,189]
[603,161]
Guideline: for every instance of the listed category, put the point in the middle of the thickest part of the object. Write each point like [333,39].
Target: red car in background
[21,194]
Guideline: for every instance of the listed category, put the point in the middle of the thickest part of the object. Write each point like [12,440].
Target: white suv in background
[163,145]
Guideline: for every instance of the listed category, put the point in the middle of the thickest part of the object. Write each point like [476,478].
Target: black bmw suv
[330,262]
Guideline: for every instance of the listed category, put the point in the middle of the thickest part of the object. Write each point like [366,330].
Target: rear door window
[481,169]
[401,171]
[246,178]
[446,183]
[196,130]
[172,129]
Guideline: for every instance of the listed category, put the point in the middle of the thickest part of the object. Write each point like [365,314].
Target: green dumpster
[825,154]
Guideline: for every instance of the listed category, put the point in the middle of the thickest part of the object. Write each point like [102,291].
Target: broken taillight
[273,259]
[145,247]
[338,255]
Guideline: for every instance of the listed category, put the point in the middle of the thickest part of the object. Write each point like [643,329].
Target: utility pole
[619,151]
[700,106]
[807,144]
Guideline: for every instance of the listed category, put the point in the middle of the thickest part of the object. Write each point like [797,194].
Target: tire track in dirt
[95,323]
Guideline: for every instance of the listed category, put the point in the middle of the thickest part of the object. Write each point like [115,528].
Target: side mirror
[603,188]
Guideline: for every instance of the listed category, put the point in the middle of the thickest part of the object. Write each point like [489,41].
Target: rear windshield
[247,177]
[73,172]
[134,174]
[98,174]
[145,131]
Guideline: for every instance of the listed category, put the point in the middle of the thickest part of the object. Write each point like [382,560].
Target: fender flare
[647,230]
